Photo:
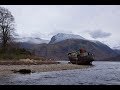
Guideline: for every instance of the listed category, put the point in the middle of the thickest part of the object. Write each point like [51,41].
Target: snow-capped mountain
[58,51]
[95,41]
[35,40]
[62,36]
[67,43]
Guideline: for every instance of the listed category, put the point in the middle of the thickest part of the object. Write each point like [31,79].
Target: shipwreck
[81,57]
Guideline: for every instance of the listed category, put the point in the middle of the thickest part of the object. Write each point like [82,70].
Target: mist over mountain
[114,44]
[117,47]
[35,40]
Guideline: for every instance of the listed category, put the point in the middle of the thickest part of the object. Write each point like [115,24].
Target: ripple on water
[102,73]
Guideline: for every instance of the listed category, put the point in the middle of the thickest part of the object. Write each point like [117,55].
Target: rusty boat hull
[85,60]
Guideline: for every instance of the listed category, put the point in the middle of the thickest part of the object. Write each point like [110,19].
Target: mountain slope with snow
[61,44]
[62,36]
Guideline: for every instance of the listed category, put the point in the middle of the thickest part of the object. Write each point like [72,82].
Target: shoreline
[26,62]
[8,69]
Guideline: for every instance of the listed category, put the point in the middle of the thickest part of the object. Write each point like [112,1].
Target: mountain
[59,50]
[117,51]
[116,58]
[61,44]
[62,36]
[32,40]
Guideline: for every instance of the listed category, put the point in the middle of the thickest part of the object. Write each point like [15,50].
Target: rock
[23,71]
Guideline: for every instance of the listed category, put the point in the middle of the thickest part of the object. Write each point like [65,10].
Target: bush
[14,53]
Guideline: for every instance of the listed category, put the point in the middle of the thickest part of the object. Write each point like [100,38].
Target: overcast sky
[94,22]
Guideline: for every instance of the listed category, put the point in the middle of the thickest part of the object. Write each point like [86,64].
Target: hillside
[117,51]
[59,50]
[116,58]
[61,44]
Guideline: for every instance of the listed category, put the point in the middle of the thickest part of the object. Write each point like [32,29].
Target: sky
[94,22]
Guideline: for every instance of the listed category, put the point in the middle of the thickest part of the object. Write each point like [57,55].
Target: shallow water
[101,73]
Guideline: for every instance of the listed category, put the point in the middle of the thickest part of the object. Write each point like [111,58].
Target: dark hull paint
[86,60]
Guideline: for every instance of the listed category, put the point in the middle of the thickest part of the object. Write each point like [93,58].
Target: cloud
[99,34]
[60,31]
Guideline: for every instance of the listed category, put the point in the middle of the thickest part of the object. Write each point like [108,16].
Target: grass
[12,56]
[17,54]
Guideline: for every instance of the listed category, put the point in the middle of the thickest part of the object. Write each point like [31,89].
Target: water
[101,73]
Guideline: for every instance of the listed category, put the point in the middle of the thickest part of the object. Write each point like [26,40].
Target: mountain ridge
[59,48]
[63,36]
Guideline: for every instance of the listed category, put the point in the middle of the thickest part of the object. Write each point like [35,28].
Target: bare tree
[6,27]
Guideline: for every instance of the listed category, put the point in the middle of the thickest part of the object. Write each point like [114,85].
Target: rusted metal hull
[86,60]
